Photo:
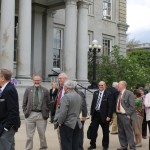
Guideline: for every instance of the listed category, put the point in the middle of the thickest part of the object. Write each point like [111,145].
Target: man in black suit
[114,91]
[9,111]
[101,113]
[83,116]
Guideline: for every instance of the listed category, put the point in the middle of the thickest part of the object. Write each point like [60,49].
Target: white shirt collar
[3,87]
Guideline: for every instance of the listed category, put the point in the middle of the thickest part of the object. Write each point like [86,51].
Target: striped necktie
[98,102]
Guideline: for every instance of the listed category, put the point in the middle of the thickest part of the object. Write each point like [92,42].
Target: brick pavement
[52,140]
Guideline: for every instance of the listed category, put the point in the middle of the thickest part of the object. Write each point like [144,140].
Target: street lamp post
[94,48]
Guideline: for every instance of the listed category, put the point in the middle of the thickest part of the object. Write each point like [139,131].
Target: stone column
[24,46]
[49,42]
[70,38]
[82,46]
[7,34]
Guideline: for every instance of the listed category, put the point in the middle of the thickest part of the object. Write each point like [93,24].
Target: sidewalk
[52,140]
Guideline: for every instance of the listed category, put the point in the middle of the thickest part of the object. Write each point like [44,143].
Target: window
[107,9]
[107,44]
[91,8]
[57,47]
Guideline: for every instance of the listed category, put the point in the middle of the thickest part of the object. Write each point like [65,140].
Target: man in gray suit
[67,117]
[125,115]
[36,105]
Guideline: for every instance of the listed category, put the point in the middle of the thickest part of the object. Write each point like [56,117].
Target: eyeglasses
[100,85]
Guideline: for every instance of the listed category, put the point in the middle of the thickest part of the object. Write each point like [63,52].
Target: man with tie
[62,77]
[125,115]
[9,111]
[101,113]
[36,106]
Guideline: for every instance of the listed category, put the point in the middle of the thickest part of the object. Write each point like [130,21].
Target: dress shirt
[122,111]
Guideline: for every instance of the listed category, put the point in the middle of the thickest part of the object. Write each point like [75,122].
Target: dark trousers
[144,126]
[69,137]
[81,136]
[125,132]
[7,140]
[96,121]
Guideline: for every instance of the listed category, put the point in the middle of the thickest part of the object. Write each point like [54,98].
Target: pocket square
[2,100]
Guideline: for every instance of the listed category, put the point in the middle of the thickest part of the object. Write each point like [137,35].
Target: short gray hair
[63,74]
[114,84]
[70,84]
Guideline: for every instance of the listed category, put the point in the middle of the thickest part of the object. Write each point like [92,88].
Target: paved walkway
[52,140]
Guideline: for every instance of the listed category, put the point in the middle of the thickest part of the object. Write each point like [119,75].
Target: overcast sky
[138,19]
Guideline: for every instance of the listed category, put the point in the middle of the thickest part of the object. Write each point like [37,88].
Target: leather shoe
[92,148]
[122,149]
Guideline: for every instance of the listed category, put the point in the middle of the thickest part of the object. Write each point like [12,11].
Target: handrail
[77,83]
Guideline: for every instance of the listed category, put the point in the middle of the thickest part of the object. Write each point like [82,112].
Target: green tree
[134,68]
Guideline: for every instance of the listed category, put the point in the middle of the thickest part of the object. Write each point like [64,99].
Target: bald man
[125,115]
[101,113]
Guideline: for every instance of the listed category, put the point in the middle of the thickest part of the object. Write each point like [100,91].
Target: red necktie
[119,101]
[59,97]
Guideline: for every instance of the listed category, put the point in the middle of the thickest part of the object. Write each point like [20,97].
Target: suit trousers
[35,120]
[125,132]
[96,121]
[81,136]
[144,126]
[7,141]
[69,137]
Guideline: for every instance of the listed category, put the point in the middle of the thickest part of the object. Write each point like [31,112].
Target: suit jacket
[114,93]
[69,109]
[53,94]
[128,103]
[106,105]
[84,106]
[28,101]
[9,108]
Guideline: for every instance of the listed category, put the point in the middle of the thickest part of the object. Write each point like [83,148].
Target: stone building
[40,35]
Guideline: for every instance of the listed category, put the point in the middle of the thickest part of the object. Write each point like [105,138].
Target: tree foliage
[134,68]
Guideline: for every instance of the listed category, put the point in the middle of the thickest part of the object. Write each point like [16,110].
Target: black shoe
[105,148]
[92,148]
[122,149]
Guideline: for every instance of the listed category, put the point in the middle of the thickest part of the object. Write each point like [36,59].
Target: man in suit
[67,117]
[83,116]
[114,91]
[36,106]
[9,111]
[101,113]
[125,115]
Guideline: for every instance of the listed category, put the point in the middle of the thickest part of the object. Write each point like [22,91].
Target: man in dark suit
[9,111]
[101,113]
[114,91]
[83,116]
[125,115]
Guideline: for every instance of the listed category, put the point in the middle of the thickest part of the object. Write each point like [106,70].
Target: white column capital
[38,9]
[71,2]
[51,13]
[83,4]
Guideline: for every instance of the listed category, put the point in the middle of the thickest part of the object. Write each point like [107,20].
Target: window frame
[107,11]
[60,49]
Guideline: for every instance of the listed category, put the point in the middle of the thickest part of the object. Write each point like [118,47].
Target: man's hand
[128,117]
[107,119]
[83,119]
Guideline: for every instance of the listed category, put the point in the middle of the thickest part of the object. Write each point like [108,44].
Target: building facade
[38,36]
